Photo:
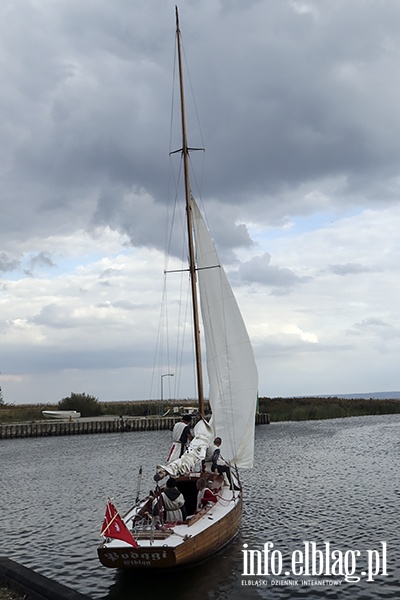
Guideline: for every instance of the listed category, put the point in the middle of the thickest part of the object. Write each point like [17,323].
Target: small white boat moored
[61,414]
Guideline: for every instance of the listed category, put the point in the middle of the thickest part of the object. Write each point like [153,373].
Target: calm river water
[331,481]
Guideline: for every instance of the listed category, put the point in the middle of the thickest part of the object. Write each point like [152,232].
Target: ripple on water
[319,481]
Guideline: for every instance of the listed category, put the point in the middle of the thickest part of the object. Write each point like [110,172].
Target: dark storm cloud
[7,263]
[312,110]
[260,270]
[43,258]
[299,112]
[87,98]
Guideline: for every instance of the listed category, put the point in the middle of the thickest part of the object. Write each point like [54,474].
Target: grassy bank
[307,409]
[280,409]
[21,413]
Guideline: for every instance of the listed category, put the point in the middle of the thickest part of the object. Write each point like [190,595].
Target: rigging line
[176,177]
[178,210]
[162,346]
[188,79]
[168,250]
[159,340]
[167,344]
[193,177]
[171,125]
[193,96]
[181,332]
[174,79]
[171,213]
[176,218]
[179,337]
[196,112]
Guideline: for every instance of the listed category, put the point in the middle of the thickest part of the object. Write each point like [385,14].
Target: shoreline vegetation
[279,409]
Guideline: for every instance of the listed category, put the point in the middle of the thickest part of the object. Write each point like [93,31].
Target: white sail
[231,366]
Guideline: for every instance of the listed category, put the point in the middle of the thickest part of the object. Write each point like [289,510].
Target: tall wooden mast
[192,265]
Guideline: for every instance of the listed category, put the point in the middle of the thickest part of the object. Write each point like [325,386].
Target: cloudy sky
[299,112]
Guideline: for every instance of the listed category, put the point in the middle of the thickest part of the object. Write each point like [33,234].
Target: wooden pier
[92,426]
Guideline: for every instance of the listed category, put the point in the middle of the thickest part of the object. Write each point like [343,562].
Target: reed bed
[311,408]
[279,409]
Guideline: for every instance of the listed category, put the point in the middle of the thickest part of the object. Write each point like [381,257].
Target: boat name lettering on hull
[144,558]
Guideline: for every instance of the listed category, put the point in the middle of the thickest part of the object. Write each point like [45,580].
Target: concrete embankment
[29,584]
[92,426]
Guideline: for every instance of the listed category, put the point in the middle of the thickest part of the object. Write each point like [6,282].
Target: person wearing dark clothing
[181,435]
[219,465]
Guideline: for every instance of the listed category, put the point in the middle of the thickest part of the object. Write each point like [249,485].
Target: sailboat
[141,539]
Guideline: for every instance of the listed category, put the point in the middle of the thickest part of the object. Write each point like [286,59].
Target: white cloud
[301,187]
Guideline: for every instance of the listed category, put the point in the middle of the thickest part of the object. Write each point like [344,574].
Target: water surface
[330,481]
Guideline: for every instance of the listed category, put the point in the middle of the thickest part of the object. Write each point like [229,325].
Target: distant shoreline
[280,409]
[316,408]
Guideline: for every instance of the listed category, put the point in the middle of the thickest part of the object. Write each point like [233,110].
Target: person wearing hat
[181,435]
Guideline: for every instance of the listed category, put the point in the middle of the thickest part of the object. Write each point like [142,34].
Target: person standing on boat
[219,464]
[181,435]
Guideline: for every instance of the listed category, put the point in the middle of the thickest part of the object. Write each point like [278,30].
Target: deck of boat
[200,536]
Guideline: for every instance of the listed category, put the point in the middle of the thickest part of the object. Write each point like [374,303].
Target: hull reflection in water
[217,578]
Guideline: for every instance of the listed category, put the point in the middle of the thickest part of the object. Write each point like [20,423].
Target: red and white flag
[114,526]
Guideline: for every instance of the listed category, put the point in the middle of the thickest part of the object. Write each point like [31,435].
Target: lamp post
[162,388]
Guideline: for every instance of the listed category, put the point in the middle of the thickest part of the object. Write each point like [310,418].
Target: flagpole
[116,522]
[113,519]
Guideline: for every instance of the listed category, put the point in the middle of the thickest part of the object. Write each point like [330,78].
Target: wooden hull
[197,547]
